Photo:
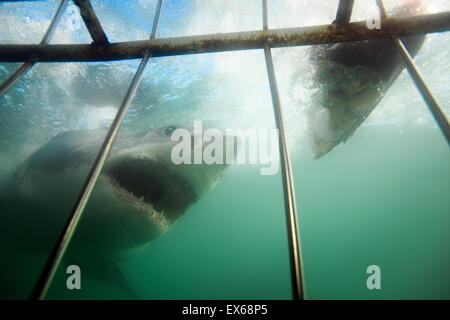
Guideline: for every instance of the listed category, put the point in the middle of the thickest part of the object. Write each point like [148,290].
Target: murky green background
[383,198]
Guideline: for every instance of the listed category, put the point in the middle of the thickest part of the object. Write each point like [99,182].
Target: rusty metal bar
[421,85]
[25,67]
[344,11]
[333,33]
[91,21]
[295,256]
[49,271]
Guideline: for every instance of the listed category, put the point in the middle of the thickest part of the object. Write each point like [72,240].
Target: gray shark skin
[352,78]
[139,195]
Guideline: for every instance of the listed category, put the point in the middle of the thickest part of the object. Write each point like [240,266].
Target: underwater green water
[382,198]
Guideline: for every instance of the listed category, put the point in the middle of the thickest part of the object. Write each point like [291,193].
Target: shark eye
[169,130]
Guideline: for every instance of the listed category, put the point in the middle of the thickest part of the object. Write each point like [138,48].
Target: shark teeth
[139,203]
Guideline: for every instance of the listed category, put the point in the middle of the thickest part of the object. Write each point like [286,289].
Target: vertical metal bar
[91,21]
[156,19]
[383,11]
[45,279]
[25,67]
[298,288]
[51,29]
[426,93]
[344,11]
[265,16]
[14,77]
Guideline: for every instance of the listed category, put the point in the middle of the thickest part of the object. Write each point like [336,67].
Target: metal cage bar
[91,21]
[344,11]
[341,30]
[420,83]
[330,33]
[26,66]
[295,256]
[45,279]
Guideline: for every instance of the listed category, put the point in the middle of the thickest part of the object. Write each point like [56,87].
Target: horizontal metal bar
[91,21]
[344,11]
[420,83]
[227,42]
[25,67]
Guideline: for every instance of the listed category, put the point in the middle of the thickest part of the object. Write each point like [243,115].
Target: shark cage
[101,49]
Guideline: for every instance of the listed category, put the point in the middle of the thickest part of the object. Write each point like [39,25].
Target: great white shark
[351,79]
[139,195]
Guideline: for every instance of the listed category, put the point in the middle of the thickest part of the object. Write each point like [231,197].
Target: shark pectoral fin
[109,274]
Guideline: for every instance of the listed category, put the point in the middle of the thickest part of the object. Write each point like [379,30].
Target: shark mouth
[152,188]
